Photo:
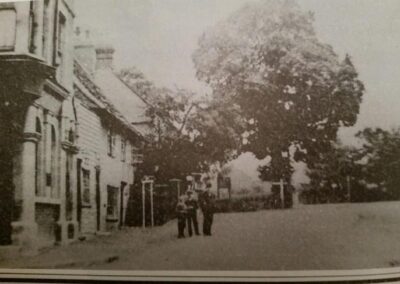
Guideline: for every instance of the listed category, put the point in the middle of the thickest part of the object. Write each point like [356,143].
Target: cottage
[109,153]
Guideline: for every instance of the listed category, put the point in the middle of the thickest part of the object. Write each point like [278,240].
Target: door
[121,205]
[98,199]
[79,192]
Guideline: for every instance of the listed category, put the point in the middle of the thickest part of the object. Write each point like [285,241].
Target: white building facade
[109,151]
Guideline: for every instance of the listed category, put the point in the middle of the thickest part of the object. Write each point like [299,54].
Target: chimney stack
[85,50]
[104,57]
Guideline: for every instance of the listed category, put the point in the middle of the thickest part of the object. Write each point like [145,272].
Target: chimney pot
[104,57]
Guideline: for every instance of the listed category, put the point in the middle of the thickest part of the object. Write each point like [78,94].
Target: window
[86,186]
[61,45]
[112,202]
[50,164]
[71,135]
[46,27]
[8,20]
[69,205]
[31,27]
[53,164]
[123,149]
[111,140]
[61,35]
[136,157]
[38,129]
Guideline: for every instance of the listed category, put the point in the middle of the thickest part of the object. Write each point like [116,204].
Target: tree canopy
[291,91]
[190,133]
[380,156]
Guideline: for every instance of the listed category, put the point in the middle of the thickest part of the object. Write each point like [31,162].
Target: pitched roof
[130,104]
[107,104]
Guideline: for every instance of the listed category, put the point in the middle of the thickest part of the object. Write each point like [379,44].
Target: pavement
[99,249]
[312,237]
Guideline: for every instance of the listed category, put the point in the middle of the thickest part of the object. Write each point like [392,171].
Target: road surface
[311,237]
[342,236]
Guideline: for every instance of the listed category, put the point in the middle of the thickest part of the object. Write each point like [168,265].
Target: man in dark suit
[191,209]
[207,206]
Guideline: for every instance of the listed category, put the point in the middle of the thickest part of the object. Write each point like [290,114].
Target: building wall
[40,168]
[93,143]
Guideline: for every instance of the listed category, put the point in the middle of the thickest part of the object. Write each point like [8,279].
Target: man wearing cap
[207,206]
[191,209]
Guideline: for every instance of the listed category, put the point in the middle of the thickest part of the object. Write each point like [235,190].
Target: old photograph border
[47,192]
[348,276]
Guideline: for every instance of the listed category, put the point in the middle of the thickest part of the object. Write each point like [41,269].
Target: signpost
[147,180]
[348,181]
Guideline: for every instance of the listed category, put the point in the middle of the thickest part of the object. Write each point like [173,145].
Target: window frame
[111,141]
[38,156]
[112,203]
[86,192]
[123,149]
[12,30]
[31,23]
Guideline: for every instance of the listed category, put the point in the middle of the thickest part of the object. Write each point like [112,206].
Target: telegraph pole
[143,205]
[282,192]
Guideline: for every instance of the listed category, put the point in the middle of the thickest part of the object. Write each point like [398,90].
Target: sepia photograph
[200,140]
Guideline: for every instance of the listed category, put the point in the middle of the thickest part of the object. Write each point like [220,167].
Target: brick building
[38,130]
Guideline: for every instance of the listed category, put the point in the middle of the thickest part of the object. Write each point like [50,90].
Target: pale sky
[159,37]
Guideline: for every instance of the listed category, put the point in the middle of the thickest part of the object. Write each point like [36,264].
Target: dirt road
[312,237]
[343,236]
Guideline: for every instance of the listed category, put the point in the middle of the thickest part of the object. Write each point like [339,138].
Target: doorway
[121,206]
[98,199]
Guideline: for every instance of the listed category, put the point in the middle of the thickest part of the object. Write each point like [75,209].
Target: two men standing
[187,211]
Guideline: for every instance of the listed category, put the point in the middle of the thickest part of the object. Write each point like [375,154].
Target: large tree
[190,133]
[291,90]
